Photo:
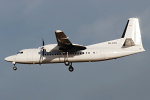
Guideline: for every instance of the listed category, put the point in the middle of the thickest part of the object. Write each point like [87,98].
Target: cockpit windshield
[21,52]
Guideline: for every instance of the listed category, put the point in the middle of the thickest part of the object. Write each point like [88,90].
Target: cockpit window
[21,52]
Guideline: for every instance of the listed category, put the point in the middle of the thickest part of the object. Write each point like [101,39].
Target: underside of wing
[65,44]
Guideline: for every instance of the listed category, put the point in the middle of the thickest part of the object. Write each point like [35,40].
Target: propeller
[43,42]
[43,51]
[43,47]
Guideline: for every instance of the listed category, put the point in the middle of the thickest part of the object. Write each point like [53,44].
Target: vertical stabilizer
[132,34]
[132,31]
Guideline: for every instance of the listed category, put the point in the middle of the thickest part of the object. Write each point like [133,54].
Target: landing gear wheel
[67,63]
[15,68]
[71,69]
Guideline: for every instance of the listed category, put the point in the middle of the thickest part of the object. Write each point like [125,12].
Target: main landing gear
[14,68]
[67,63]
[71,69]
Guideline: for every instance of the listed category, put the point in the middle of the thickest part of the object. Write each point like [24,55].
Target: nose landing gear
[14,68]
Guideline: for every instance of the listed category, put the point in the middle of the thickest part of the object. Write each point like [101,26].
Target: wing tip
[58,31]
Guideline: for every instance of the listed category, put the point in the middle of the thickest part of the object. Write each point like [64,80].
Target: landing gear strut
[67,63]
[14,68]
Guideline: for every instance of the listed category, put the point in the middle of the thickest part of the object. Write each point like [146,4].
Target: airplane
[66,52]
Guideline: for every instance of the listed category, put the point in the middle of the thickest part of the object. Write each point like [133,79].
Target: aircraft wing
[64,43]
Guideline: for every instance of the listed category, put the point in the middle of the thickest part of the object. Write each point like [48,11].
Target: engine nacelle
[51,48]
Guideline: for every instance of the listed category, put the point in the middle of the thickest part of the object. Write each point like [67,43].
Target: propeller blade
[43,42]
[43,52]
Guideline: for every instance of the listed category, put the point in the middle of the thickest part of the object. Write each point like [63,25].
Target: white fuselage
[97,52]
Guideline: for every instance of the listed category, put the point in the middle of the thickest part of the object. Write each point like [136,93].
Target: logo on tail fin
[128,43]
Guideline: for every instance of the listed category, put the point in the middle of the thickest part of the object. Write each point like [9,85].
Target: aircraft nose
[9,59]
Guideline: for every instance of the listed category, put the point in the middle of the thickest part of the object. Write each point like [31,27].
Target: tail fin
[132,33]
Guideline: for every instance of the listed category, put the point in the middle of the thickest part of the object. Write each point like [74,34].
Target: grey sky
[23,24]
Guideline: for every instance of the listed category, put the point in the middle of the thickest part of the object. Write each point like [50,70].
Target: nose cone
[9,59]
